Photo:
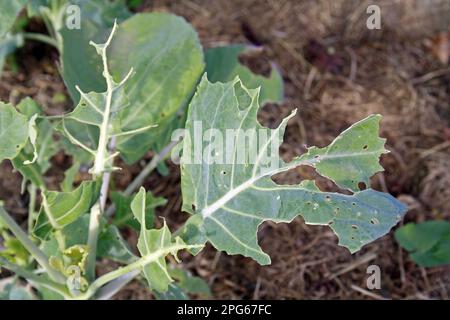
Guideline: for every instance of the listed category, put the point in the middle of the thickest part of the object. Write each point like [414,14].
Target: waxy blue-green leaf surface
[233,199]
[428,242]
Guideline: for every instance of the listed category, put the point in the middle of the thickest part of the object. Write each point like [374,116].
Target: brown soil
[336,72]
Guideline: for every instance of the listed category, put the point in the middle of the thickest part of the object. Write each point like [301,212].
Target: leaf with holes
[232,188]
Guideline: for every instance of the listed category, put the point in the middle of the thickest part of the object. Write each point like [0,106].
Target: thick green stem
[132,268]
[40,257]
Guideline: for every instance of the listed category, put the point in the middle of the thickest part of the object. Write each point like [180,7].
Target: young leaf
[60,209]
[13,131]
[111,245]
[153,241]
[234,198]
[428,242]
[8,13]
[222,64]
[124,216]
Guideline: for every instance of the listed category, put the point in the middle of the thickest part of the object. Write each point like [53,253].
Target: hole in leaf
[354,226]
[330,222]
[294,176]
[365,147]
[362,186]
[223,172]
[374,221]
[194,207]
